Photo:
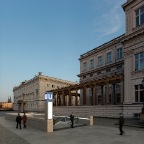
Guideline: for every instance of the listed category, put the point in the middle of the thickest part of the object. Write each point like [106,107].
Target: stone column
[56,99]
[107,94]
[122,91]
[102,95]
[63,97]
[113,95]
[69,97]
[94,96]
[76,98]
[84,96]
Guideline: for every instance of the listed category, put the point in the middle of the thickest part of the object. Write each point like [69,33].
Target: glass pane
[121,55]
[137,21]
[142,18]
[136,56]
[136,96]
[142,9]
[136,65]
[141,87]
[137,12]
[141,96]
[118,98]
[141,64]
[136,87]
[142,55]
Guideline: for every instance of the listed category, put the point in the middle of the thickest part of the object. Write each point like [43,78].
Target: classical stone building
[111,74]
[133,51]
[119,63]
[29,95]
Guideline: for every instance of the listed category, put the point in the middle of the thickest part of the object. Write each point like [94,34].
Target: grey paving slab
[96,134]
[8,137]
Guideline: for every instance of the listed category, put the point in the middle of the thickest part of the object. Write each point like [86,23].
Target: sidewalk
[79,135]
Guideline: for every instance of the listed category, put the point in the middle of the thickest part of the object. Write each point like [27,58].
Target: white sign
[49,101]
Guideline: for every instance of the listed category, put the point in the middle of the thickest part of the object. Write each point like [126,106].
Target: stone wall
[111,111]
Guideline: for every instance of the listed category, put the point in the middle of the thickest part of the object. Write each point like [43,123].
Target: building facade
[111,74]
[122,56]
[29,95]
[134,51]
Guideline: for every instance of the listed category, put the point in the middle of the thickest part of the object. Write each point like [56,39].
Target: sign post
[49,111]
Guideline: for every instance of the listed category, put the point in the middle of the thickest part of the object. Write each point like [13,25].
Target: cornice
[102,47]
[42,77]
[126,4]
[136,32]
[102,68]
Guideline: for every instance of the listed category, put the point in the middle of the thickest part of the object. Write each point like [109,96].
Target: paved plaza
[96,134]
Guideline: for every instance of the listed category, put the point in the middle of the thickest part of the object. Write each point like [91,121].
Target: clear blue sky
[49,36]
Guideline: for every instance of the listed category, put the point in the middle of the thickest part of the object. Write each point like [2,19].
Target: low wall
[35,122]
[142,118]
[111,111]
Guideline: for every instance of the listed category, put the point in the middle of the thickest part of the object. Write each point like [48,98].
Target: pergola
[72,90]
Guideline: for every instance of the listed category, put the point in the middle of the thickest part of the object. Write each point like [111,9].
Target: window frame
[138,92]
[100,63]
[84,66]
[91,63]
[119,53]
[139,61]
[109,57]
[138,14]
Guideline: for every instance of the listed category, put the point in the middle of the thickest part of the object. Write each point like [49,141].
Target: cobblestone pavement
[8,137]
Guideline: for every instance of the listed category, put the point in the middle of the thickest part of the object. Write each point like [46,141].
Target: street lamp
[143,95]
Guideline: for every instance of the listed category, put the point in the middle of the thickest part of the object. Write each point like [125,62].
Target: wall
[100,111]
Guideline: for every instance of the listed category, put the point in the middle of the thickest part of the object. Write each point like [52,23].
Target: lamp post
[143,95]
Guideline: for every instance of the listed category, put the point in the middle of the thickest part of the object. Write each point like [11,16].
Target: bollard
[91,120]
[50,125]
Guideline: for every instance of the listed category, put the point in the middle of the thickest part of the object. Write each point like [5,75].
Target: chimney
[40,73]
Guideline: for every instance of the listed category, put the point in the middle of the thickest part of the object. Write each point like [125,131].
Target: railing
[65,119]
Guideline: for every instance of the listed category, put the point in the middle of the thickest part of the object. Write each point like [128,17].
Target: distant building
[29,95]
[6,106]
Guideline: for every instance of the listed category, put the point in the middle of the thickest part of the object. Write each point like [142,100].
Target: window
[119,67]
[91,75]
[99,73]
[139,61]
[108,70]
[139,93]
[139,16]
[84,77]
[99,60]
[91,63]
[119,53]
[109,57]
[84,66]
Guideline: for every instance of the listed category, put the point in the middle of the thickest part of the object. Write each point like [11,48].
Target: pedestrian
[24,118]
[121,123]
[72,119]
[18,120]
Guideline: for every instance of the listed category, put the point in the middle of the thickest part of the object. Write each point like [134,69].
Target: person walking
[18,120]
[24,118]
[72,119]
[121,123]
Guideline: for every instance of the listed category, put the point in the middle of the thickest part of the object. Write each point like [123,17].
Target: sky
[49,36]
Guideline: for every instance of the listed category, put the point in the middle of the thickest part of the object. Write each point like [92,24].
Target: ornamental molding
[137,74]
